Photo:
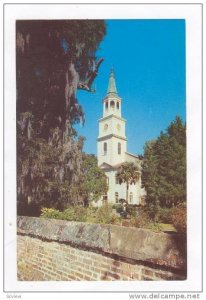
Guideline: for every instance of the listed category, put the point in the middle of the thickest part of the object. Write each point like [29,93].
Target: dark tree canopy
[54,58]
[164,167]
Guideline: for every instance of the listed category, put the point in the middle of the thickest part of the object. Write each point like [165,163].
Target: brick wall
[59,250]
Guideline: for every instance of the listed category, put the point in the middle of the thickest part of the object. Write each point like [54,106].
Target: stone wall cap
[128,242]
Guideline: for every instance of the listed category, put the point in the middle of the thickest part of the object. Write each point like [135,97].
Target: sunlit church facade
[112,149]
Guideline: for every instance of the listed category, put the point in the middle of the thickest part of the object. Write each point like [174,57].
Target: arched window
[105,148]
[116,179]
[119,148]
[106,105]
[116,197]
[112,104]
[117,105]
[130,197]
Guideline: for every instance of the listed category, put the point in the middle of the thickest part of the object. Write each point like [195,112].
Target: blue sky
[148,57]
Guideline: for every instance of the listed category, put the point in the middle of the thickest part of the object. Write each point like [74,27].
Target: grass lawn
[167,227]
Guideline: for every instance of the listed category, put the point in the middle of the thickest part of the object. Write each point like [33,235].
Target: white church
[112,149]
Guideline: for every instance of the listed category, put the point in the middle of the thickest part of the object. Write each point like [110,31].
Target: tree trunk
[127,192]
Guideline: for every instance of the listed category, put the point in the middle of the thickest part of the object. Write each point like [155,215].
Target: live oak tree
[54,58]
[164,167]
[129,174]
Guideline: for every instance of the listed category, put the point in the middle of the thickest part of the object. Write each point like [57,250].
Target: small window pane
[105,148]
[119,148]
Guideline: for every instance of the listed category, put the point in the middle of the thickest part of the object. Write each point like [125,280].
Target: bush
[91,214]
[139,217]
[141,220]
[105,215]
[102,215]
[164,215]
[51,213]
[132,210]
[118,207]
[75,213]
[179,218]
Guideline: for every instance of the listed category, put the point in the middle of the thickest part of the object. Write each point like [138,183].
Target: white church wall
[114,187]
[115,157]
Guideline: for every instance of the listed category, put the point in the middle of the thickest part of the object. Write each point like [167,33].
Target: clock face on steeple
[106,127]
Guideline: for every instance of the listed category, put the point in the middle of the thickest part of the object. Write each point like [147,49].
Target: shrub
[51,213]
[91,214]
[132,210]
[102,215]
[141,218]
[164,215]
[105,215]
[118,207]
[179,218]
[68,214]
[75,213]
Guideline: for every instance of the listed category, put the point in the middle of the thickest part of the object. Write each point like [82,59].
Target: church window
[105,148]
[119,148]
[130,197]
[117,105]
[106,105]
[116,197]
[116,179]
[104,199]
[112,104]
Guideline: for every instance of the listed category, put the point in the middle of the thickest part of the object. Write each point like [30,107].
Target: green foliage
[118,207]
[54,58]
[75,213]
[106,216]
[102,215]
[93,181]
[164,214]
[131,210]
[179,218]
[164,167]
[129,173]
[50,213]
[91,214]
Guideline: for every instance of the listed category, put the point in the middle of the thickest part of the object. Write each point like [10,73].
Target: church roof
[112,85]
[133,155]
[105,166]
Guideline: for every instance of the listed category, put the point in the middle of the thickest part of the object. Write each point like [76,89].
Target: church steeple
[112,141]
[112,101]
[112,85]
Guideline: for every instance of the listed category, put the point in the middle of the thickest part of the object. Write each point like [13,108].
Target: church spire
[112,85]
